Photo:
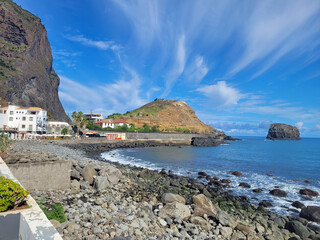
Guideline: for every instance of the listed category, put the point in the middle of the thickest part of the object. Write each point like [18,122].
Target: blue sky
[240,65]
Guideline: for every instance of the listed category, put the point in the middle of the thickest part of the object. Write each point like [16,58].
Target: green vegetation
[7,65]
[56,212]
[12,195]
[181,130]
[77,118]
[4,141]
[94,126]
[115,116]
[64,131]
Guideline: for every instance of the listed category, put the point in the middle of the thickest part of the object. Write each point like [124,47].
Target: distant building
[55,127]
[93,117]
[23,119]
[112,123]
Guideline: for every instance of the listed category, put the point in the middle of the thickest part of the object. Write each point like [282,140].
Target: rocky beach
[110,201]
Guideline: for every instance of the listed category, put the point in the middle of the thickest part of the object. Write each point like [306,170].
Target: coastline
[143,186]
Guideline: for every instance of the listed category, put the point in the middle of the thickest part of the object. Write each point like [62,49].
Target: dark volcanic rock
[236,173]
[265,204]
[298,204]
[257,190]
[308,192]
[298,228]
[26,74]
[280,131]
[278,193]
[206,141]
[311,213]
[245,185]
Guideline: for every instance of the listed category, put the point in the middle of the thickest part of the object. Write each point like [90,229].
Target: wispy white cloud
[102,45]
[299,125]
[119,96]
[316,127]
[196,70]
[221,95]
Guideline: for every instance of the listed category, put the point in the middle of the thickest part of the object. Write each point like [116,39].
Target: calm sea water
[290,163]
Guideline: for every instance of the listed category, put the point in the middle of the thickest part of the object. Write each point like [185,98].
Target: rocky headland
[280,131]
[27,77]
[108,201]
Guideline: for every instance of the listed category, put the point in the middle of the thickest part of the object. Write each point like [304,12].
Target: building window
[23,126]
[30,118]
[30,127]
[10,118]
[11,112]
[23,118]
[5,111]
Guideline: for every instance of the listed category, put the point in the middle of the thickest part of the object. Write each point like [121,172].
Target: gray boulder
[311,213]
[280,131]
[112,173]
[101,183]
[175,210]
[298,228]
[88,172]
[171,197]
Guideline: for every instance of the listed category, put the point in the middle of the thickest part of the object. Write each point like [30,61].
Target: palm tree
[77,118]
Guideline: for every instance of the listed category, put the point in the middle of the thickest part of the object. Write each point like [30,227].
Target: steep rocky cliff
[280,131]
[26,74]
[168,115]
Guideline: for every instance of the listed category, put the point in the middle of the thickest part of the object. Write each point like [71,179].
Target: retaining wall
[163,136]
[43,175]
[25,224]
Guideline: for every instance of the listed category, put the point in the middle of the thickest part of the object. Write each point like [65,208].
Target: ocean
[289,162]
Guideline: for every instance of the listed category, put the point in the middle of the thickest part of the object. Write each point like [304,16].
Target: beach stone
[171,198]
[257,190]
[75,174]
[226,219]
[278,193]
[163,222]
[245,185]
[201,222]
[146,173]
[298,204]
[236,173]
[265,203]
[226,232]
[112,173]
[308,192]
[175,210]
[297,228]
[203,205]
[101,183]
[88,172]
[311,213]
[75,185]
[244,228]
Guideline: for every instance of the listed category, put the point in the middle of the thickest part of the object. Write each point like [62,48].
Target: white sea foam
[266,183]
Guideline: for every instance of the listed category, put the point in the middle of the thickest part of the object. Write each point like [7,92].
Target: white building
[23,119]
[93,117]
[112,123]
[55,127]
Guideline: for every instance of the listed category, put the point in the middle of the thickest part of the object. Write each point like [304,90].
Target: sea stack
[280,131]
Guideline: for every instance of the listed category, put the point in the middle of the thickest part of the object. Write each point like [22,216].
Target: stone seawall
[43,175]
[163,136]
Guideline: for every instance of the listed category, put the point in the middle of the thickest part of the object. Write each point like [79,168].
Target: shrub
[12,195]
[56,212]
[4,141]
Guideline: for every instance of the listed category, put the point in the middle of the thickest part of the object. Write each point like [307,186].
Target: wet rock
[311,213]
[308,192]
[175,210]
[236,173]
[245,185]
[88,172]
[257,190]
[171,198]
[203,205]
[112,173]
[297,228]
[298,204]
[265,204]
[278,193]
[225,180]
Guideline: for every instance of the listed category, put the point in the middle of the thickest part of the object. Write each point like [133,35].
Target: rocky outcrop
[280,131]
[206,141]
[26,74]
